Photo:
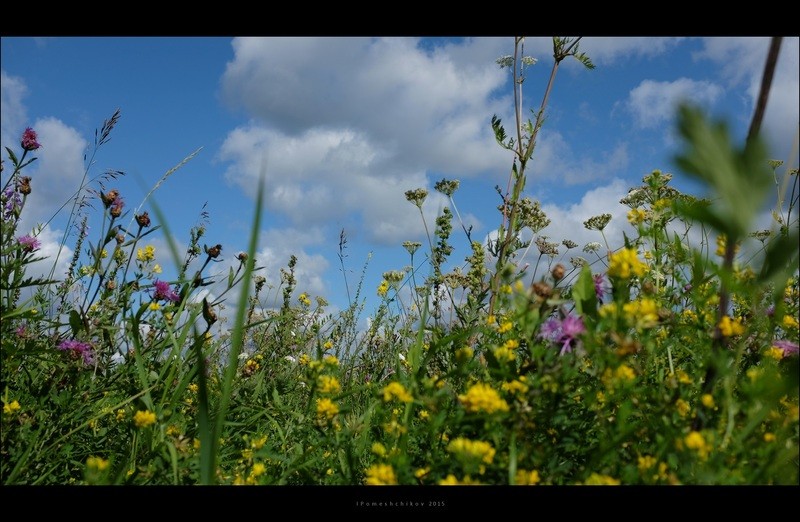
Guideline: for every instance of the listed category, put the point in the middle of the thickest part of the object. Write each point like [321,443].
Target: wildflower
[515,386]
[417,196]
[12,203]
[769,437]
[378,449]
[728,327]
[258,469]
[78,347]
[28,141]
[163,291]
[695,441]
[116,207]
[145,254]
[526,478]
[395,390]
[421,472]
[683,407]
[330,360]
[569,243]
[597,222]
[328,384]
[624,264]
[214,251]
[120,415]
[380,475]
[600,288]
[143,219]
[578,262]
[154,306]
[786,347]
[144,418]
[96,463]
[592,247]
[411,246]
[447,187]
[24,186]
[451,480]
[29,243]
[558,272]
[646,462]
[643,313]
[424,414]
[721,245]
[304,300]
[472,450]
[11,407]
[595,479]
[303,360]
[789,322]
[563,332]
[707,400]
[464,354]
[482,398]
[383,288]
[326,410]
[636,216]
[328,345]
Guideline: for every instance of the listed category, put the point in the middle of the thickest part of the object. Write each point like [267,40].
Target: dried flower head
[447,187]
[417,196]
[143,220]
[597,222]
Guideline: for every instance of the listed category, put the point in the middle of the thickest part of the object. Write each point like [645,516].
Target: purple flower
[600,288]
[22,330]
[29,140]
[788,347]
[563,332]
[79,347]
[163,291]
[29,243]
[12,202]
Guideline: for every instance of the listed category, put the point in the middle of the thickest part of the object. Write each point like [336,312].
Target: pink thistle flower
[79,347]
[788,347]
[563,332]
[29,243]
[28,141]
[163,291]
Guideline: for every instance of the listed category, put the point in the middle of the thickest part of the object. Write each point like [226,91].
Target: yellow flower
[424,415]
[490,320]
[595,479]
[330,360]
[154,306]
[11,407]
[482,397]
[103,254]
[769,437]
[148,253]
[304,300]
[683,377]
[328,345]
[695,441]
[683,407]
[328,384]
[378,449]
[728,327]
[774,352]
[526,478]
[624,264]
[258,469]
[708,400]
[304,360]
[326,409]
[472,450]
[451,480]
[380,475]
[120,415]
[505,326]
[395,390]
[96,464]
[515,386]
[721,243]
[421,472]
[383,288]
[144,418]
[789,322]
[636,216]
[646,462]
[193,387]
[642,313]
[157,269]
[464,354]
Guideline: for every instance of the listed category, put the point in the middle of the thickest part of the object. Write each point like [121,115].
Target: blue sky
[345,126]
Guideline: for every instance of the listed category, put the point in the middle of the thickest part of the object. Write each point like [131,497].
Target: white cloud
[610,49]
[653,103]
[13,115]
[555,159]
[742,61]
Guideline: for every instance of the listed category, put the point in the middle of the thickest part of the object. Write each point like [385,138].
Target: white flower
[244,356]
[290,359]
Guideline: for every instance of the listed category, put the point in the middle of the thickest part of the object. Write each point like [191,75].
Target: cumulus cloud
[742,60]
[653,103]
[555,159]
[12,110]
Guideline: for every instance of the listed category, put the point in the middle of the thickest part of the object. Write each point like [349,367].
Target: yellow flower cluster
[636,216]
[304,300]
[471,450]
[683,407]
[328,384]
[526,478]
[395,390]
[506,351]
[96,463]
[483,398]
[451,480]
[642,313]
[596,479]
[695,441]
[729,327]
[145,254]
[144,418]
[622,374]
[624,264]
[789,322]
[380,475]
[11,407]
[383,288]
[326,410]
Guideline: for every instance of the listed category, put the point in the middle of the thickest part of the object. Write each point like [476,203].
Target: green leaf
[781,259]
[75,322]
[584,295]
[740,178]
